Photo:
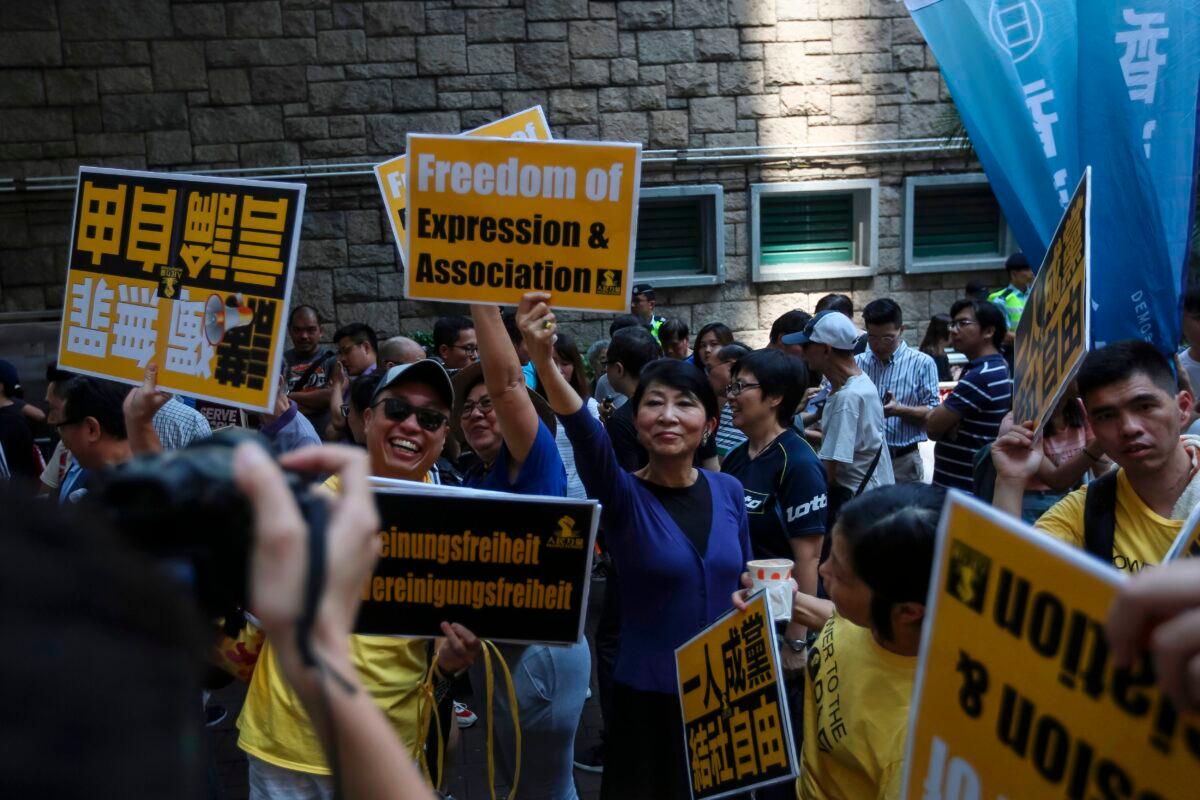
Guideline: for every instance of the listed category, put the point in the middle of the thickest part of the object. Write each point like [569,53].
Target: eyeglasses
[890,339]
[737,387]
[484,405]
[470,349]
[955,324]
[398,410]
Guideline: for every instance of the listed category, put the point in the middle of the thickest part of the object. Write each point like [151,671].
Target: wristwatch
[797,645]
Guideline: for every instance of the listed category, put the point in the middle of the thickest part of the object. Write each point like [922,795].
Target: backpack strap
[1100,516]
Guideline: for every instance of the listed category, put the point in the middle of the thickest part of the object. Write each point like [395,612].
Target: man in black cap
[643,307]
[16,438]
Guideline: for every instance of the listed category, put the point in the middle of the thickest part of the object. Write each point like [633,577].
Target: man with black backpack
[1130,516]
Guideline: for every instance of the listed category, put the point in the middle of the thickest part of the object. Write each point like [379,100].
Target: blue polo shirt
[541,473]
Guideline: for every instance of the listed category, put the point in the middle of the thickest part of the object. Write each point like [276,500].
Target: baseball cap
[827,327]
[1017,261]
[643,288]
[425,371]
[9,377]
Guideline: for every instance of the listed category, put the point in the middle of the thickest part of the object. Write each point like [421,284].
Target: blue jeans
[551,686]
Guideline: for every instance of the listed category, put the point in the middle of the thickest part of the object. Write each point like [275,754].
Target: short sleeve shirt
[982,396]
[853,427]
[542,471]
[785,492]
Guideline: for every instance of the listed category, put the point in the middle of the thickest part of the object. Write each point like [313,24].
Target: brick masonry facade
[152,84]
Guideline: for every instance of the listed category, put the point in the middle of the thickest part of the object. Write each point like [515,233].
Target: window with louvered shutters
[670,238]
[806,229]
[956,221]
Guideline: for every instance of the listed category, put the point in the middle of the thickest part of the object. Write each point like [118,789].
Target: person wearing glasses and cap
[406,427]
[643,306]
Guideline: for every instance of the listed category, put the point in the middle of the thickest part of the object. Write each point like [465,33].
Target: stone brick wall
[208,85]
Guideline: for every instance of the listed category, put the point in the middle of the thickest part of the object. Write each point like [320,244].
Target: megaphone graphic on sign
[220,317]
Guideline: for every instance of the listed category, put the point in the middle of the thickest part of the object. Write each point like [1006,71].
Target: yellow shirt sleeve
[1064,520]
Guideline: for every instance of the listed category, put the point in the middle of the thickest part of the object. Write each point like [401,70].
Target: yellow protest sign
[528,124]
[735,716]
[1016,696]
[491,219]
[191,273]
[1054,332]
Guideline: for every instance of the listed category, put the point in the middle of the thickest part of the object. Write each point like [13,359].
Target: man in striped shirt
[970,417]
[907,383]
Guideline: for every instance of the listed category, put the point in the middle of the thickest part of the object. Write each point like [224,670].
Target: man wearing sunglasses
[405,427]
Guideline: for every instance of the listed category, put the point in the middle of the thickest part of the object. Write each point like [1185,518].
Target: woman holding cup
[680,538]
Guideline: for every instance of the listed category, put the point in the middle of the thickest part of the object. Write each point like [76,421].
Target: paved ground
[466,761]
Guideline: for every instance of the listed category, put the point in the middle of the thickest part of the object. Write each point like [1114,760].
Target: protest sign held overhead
[491,219]
[1053,335]
[191,273]
[735,716]
[509,567]
[1016,695]
[528,124]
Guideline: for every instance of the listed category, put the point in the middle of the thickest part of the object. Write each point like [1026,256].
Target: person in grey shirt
[853,450]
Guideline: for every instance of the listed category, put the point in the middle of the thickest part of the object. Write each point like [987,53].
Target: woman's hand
[279,556]
[537,324]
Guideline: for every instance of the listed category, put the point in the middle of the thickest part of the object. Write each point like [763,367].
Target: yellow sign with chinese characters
[191,273]
[528,124]
[1053,335]
[735,718]
[491,219]
[1016,695]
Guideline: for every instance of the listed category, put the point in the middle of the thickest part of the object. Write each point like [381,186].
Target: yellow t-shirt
[856,703]
[1141,536]
[274,726]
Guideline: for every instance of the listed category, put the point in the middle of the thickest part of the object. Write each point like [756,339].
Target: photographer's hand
[372,762]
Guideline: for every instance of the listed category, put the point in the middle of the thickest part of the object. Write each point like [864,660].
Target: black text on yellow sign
[735,715]
[509,568]
[189,272]
[1016,694]
[1053,335]
[491,219]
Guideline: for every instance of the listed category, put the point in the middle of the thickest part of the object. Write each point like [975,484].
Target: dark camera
[183,508]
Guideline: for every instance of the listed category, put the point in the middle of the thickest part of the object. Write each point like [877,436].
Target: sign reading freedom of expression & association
[528,124]
[1053,334]
[736,726]
[511,568]
[1016,695]
[189,272]
[491,219]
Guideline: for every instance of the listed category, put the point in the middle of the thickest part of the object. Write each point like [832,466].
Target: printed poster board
[491,219]
[736,728]
[1053,335]
[1016,695]
[221,416]
[1187,544]
[511,568]
[189,272]
[528,124]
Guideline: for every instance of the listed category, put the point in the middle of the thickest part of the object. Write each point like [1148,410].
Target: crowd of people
[705,453]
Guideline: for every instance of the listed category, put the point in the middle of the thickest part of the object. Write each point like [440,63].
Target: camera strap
[316,513]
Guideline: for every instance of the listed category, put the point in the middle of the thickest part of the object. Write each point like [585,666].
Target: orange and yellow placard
[1016,694]
[490,219]
[191,273]
[528,124]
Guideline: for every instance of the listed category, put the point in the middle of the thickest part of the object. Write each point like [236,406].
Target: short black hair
[836,302]
[358,332]
[778,375]
[447,329]
[1016,261]
[884,311]
[100,399]
[634,348]
[719,329]
[1191,299]
[987,315]
[891,532]
[732,352]
[673,329]
[681,376]
[303,307]
[976,291]
[789,322]
[56,375]
[1120,361]
[625,321]
[362,389]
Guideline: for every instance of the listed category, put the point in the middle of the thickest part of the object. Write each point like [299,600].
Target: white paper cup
[775,574]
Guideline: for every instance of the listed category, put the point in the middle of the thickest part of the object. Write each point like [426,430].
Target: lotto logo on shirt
[756,502]
[804,509]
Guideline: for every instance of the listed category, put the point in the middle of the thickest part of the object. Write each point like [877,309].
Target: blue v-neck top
[669,590]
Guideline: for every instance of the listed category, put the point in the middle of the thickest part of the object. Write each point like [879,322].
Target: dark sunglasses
[398,410]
